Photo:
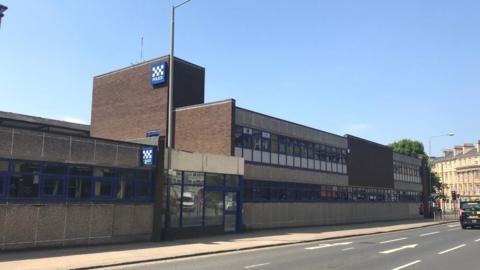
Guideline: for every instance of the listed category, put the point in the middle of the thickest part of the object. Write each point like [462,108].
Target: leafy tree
[415,149]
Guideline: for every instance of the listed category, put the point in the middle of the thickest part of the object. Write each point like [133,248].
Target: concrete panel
[101,223]
[57,148]
[128,156]
[20,223]
[143,219]
[3,211]
[27,144]
[123,220]
[5,142]
[105,153]
[82,150]
[78,221]
[200,162]
[51,222]
[408,186]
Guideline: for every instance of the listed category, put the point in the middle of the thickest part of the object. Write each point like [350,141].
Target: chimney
[478,146]
[457,150]
[447,152]
[467,147]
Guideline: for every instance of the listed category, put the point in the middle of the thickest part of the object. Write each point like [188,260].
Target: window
[55,169]
[192,206]
[24,186]
[81,171]
[238,136]
[282,145]
[2,183]
[79,187]
[3,165]
[193,178]
[103,188]
[125,189]
[310,150]
[27,167]
[175,196]
[142,189]
[247,140]
[53,186]
[104,172]
[266,143]
[214,179]
[290,146]
[274,143]
[257,137]
[296,151]
[232,180]
[213,208]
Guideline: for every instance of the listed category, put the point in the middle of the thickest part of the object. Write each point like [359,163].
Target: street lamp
[170,82]
[2,10]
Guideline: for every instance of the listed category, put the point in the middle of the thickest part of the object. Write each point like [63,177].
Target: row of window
[53,181]
[202,199]
[264,147]
[268,191]
[406,172]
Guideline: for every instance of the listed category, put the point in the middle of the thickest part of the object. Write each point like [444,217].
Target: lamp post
[2,10]
[429,159]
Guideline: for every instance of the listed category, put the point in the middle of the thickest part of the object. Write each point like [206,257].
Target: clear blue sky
[383,70]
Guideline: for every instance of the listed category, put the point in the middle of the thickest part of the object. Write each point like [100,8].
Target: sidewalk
[85,257]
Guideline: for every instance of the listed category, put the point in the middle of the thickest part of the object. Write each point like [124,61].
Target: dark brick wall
[205,128]
[369,164]
[125,105]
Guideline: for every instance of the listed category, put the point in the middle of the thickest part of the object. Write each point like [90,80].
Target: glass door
[231,211]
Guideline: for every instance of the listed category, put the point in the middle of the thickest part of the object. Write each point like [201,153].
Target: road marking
[256,265]
[425,234]
[393,240]
[454,229]
[448,250]
[345,249]
[454,225]
[478,240]
[407,265]
[329,245]
[398,249]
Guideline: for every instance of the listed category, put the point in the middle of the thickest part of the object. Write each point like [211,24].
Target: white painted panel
[329,166]
[317,164]
[323,166]
[345,169]
[266,157]
[297,162]
[274,158]
[310,164]
[257,156]
[238,151]
[282,159]
[290,161]
[304,163]
[247,154]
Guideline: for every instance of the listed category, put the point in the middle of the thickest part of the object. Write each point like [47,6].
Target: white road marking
[448,250]
[478,240]
[454,225]
[454,229]
[345,249]
[398,249]
[393,240]
[425,234]
[329,245]
[407,265]
[256,265]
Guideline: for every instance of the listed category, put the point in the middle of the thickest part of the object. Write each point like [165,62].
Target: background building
[459,169]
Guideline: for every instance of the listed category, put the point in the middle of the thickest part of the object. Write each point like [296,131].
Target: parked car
[470,214]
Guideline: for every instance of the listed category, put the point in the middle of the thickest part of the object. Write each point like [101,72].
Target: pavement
[443,246]
[126,254]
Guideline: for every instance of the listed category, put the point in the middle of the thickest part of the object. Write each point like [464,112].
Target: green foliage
[415,149]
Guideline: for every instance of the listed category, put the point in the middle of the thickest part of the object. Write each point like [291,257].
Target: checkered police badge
[159,73]
[148,156]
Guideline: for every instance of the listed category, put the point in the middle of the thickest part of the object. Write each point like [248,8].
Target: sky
[383,70]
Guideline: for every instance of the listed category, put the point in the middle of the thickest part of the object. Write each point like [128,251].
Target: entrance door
[231,211]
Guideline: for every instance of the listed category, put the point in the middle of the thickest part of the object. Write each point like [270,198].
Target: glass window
[53,186]
[231,180]
[125,189]
[247,141]
[55,169]
[104,172]
[24,186]
[296,149]
[174,206]
[282,145]
[2,182]
[274,143]
[317,152]
[193,178]
[266,144]
[310,150]
[290,146]
[303,150]
[257,138]
[230,201]
[142,174]
[213,179]
[79,187]
[142,189]
[213,208]
[81,170]
[192,206]
[103,188]
[175,178]
[27,167]
[3,165]
[238,136]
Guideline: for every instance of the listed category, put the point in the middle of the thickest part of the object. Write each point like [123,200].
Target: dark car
[470,214]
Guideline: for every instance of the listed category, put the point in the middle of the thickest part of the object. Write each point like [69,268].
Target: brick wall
[125,105]
[205,128]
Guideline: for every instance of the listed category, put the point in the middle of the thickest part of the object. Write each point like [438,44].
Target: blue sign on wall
[149,155]
[159,73]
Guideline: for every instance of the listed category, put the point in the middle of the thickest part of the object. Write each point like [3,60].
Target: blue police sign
[149,155]
[159,73]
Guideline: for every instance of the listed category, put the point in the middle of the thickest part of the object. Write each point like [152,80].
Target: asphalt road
[444,246]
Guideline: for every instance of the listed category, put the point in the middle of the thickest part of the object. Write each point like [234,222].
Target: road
[444,246]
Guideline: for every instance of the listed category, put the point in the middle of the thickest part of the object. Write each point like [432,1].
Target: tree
[415,149]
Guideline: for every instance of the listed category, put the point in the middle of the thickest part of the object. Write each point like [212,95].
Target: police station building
[230,169]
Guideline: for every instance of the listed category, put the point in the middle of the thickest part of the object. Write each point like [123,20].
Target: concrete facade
[278,215]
